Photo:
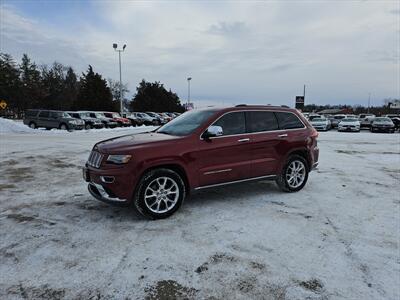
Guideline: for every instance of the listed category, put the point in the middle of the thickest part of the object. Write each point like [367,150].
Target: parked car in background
[157,118]
[314,116]
[349,124]
[108,122]
[166,116]
[146,119]
[50,119]
[203,148]
[321,124]
[171,115]
[336,120]
[396,122]
[135,121]
[366,120]
[89,121]
[123,122]
[382,124]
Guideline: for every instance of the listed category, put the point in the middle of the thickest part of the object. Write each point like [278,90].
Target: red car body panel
[203,162]
[119,120]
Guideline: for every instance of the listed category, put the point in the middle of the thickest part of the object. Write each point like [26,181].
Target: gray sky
[236,51]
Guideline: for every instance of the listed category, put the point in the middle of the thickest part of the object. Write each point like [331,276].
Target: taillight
[314,133]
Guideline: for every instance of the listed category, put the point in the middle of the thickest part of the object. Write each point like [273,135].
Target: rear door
[54,120]
[228,157]
[43,118]
[266,140]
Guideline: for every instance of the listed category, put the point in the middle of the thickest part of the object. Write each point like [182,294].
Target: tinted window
[55,114]
[31,113]
[232,123]
[44,114]
[258,121]
[288,120]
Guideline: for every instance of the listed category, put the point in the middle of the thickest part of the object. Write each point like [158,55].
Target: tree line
[27,85]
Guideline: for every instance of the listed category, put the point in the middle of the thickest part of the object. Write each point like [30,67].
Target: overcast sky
[236,52]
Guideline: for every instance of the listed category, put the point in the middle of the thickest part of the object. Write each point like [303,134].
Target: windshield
[339,117]
[84,115]
[382,120]
[115,115]
[99,115]
[186,123]
[349,120]
[64,115]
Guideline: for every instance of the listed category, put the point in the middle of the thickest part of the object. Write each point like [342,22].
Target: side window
[258,121]
[31,113]
[288,120]
[44,114]
[54,114]
[232,123]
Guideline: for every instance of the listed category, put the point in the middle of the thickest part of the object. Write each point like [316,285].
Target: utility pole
[188,80]
[115,46]
[304,92]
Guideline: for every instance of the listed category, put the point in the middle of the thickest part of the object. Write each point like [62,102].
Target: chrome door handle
[282,135]
[243,140]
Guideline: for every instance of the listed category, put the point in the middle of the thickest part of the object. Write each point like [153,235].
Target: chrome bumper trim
[103,194]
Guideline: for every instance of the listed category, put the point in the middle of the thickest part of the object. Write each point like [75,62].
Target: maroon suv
[201,149]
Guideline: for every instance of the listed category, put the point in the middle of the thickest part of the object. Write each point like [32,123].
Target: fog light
[107,179]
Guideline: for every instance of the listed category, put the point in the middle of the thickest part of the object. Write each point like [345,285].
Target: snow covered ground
[336,239]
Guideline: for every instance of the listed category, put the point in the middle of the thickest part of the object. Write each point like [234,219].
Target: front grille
[95,159]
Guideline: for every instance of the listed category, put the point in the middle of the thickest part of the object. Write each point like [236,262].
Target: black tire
[63,126]
[146,181]
[88,126]
[32,125]
[282,181]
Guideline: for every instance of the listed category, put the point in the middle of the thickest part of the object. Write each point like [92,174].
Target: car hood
[125,143]
[318,122]
[350,123]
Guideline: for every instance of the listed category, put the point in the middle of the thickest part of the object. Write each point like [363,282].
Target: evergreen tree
[10,84]
[32,91]
[94,94]
[70,90]
[53,85]
[154,97]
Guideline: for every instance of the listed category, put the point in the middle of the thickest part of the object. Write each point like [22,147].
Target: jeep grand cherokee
[201,149]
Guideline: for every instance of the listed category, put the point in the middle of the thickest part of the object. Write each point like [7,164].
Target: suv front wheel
[294,174]
[160,193]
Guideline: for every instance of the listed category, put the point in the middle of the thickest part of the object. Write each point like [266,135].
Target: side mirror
[213,131]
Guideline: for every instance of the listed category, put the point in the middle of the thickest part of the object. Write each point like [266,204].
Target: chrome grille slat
[95,159]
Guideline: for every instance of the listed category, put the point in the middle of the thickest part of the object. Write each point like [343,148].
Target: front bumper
[76,127]
[349,129]
[383,129]
[110,185]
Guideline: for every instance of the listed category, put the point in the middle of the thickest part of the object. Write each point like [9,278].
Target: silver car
[321,124]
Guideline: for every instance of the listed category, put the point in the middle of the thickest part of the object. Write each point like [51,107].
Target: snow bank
[11,126]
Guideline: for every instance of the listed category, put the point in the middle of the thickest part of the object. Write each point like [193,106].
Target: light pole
[369,101]
[115,46]
[188,80]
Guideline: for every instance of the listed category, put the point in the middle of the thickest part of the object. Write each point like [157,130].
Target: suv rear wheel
[160,193]
[88,126]
[63,126]
[294,174]
[32,125]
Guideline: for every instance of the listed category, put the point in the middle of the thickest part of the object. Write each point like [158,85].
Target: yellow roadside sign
[3,104]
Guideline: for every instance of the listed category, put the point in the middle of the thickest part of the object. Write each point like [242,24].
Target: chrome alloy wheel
[161,195]
[295,174]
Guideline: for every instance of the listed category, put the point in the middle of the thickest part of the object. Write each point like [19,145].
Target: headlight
[72,122]
[118,159]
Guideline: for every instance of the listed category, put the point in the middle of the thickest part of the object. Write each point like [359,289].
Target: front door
[228,157]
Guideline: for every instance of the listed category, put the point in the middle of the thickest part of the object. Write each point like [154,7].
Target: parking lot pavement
[337,238]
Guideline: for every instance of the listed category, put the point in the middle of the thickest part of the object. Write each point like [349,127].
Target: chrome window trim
[217,171]
[258,132]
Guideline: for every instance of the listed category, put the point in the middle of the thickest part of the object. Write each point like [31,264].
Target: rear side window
[31,113]
[232,123]
[288,120]
[55,114]
[44,114]
[258,121]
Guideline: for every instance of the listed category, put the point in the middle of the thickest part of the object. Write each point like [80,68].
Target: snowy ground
[336,239]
